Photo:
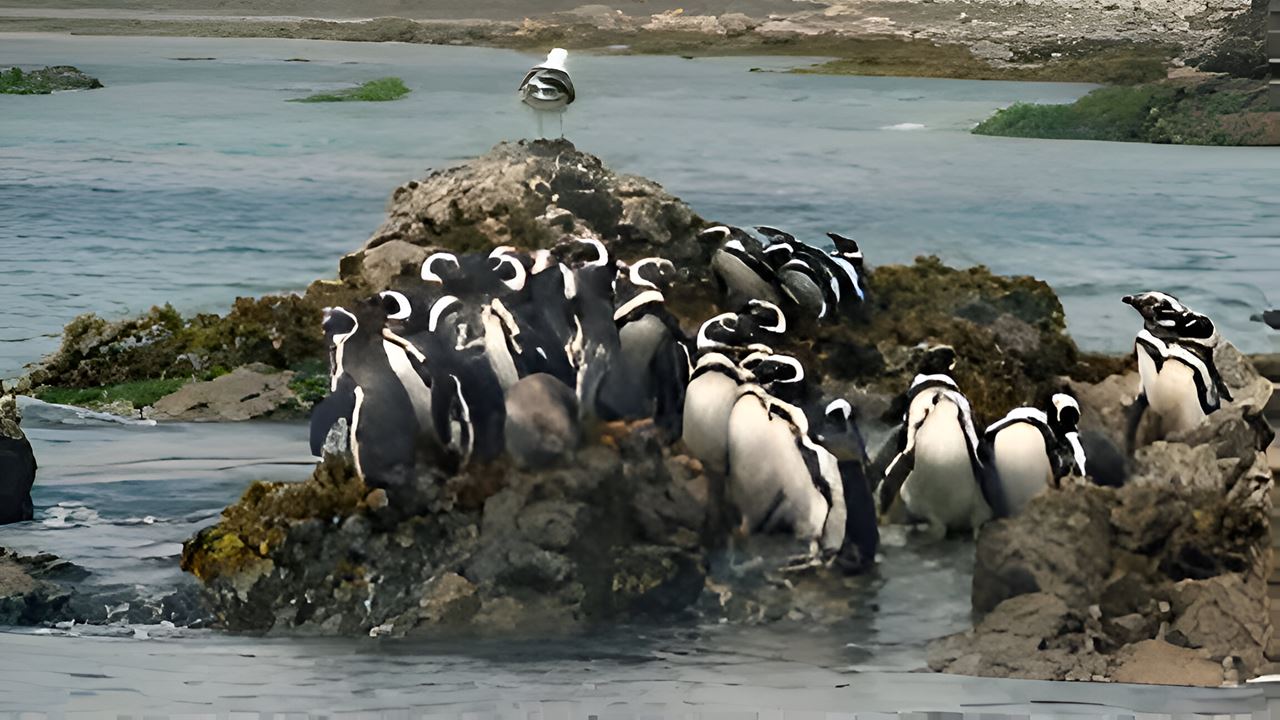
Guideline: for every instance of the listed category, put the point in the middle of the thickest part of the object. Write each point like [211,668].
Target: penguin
[937,472]
[838,432]
[464,403]
[383,422]
[779,479]
[739,266]
[848,261]
[1180,384]
[338,324]
[540,306]
[781,375]
[594,345]
[541,421]
[17,464]
[652,369]
[1270,317]
[1023,460]
[1069,455]
[708,402]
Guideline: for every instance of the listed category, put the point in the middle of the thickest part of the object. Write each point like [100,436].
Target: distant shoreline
[988,39]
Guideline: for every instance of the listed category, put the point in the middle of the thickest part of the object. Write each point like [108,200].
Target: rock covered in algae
[1178,556]
[616,533]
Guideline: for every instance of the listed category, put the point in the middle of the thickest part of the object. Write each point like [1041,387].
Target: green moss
[310,382]
[1214,112]
[257,524]
[380,90]
[139,393]
[45,80]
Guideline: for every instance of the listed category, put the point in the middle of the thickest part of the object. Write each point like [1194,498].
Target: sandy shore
[1102,40]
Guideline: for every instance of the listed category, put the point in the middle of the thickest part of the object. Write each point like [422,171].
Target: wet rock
[245,393]
[27,595]
[613,535]
[17,464]
[1180,552]
[55,78]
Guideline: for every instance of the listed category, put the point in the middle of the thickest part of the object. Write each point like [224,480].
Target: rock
[1154,662]
[17,464]
[1180,553]
[613,535]
[248,392]
[44,81]
[27,596]
[1024,554]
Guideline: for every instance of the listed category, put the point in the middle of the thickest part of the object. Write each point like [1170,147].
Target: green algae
[1208,112]
[45,80]
[379,90]
[139,393]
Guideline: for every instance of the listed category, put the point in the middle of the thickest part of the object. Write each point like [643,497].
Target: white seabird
[548,88]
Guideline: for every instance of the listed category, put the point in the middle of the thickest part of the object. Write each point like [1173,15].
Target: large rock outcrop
[618,532]
[1162,580]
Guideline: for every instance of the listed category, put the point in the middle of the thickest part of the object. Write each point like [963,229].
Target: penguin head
[936,359]
[778,254]
[1166,317]
[440,266]
[338,324]
[1066,413]
[510,267]
[840,433]
[716,235]
[769,369]
[846,248]
[654,272]
[774,235]
[765,316]
[556,59]
[720,331]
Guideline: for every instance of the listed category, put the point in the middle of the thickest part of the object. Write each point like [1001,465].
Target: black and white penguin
[739,266]
[1064,420]
[1180,384]
[1023,460]
[464,397]
[838,432]
[708,402]
[338,325]
[540,305]
[779,479]
[541,421]
[848,274]
[384,426]
[652,369]
[782,376]
[1270,317]
[594,345]
[937,473]
[17,464]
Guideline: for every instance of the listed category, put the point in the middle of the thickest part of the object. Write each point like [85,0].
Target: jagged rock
[243,394]
[27,596]
[17,464]
[1186,542]
[614,534]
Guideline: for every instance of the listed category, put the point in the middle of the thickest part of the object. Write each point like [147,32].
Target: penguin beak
[1129,300]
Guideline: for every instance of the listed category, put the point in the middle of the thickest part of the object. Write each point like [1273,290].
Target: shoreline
[989,40]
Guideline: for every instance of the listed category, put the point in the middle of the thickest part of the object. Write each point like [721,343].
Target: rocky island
[57,78]
[1160,580]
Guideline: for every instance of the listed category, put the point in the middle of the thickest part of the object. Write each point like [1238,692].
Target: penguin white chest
[708,403]
[1022,465]
[1175,398]
[768,478]
[941,488]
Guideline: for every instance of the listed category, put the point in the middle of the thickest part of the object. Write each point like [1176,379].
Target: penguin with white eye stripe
[838,432]
[1180,385]
[653,366]
[338,325]
[739,266]
[464,403]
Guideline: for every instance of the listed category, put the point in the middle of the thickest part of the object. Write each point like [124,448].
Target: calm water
[193,181]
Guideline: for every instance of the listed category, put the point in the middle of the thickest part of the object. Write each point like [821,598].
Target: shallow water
[193,181]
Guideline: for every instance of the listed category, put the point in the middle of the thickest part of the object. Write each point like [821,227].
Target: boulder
[248,392]
[1178,556]
[17,464]
[612,535]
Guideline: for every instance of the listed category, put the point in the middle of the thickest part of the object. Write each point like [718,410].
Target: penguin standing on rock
[779,479]
[838,433]
[708,403]
[653,361]
[338,325]
[937,473]
[1180,384]
[1022,448]
[740,266]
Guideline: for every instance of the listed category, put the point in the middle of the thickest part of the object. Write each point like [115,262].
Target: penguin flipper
[861,531]
[894,477]
[339,404]
[671,373]
[1133,417]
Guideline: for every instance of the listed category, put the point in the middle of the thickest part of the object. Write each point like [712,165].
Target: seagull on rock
[548,88]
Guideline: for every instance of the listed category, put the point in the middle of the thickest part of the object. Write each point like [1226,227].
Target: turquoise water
[194,181]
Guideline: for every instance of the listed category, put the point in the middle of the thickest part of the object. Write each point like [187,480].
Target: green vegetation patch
[45,80]
[140,393]
[1208,112]
[380,90]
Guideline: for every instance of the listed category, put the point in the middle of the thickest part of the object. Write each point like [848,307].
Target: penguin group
[947,476]
[516,355]
[505,353]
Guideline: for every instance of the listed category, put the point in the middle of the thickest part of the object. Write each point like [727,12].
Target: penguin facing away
[708,403]
[1022,449]
[739,266]
[937,473]
[838,433]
